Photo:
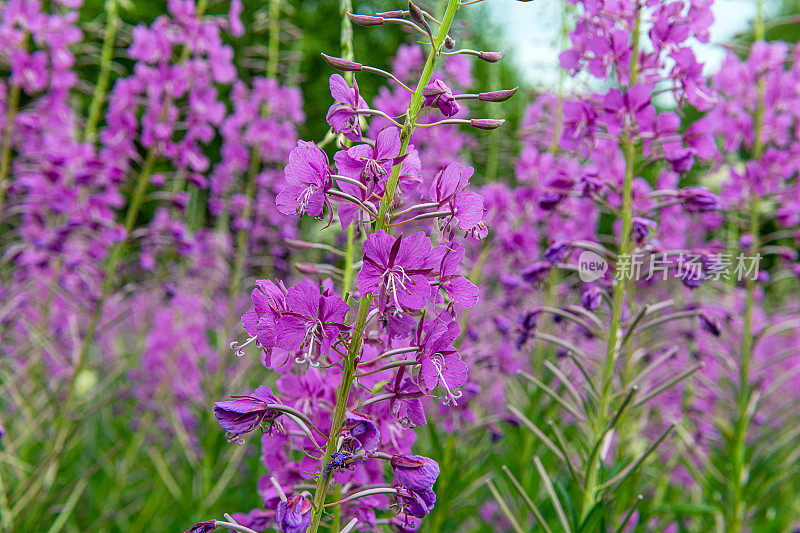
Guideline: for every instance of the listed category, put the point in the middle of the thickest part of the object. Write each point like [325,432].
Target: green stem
[619,295]
[100,89]
[346,42]
[343,392]
[274,37]
[738,509]
[5,151]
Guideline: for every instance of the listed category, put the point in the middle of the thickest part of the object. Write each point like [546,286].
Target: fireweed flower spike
[395,291]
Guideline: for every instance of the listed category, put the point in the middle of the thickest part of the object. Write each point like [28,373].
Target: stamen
[240,347]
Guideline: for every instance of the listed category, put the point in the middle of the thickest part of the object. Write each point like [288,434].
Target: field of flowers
[336,266]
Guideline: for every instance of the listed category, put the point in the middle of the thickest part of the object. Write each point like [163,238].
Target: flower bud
[449,43]
[491,57]
[699,200]
[203,527]
[486,123]
[396,14]
[497,96]
[365,20]
[416,13]
[340,63]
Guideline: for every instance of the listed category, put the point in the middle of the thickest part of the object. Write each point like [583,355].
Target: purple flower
[437,94]
[257,519]
[556,252]
[29,71]
[370,164]
[308,178]
[363,430]
[343,117]
[536,272]
[415,472]
[710,323]
[395,268]
[624,110]
[406,405]
[203,527]
[591,298]
[415,503]
[312,321]
[440,362]
[699,200]
[269,302]
[293,515]
[527,324]
[460,289]
[243,414]
[641,230]
[448,189]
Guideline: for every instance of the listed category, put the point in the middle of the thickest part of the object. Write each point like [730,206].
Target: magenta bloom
[29,70]
[440,362]
[243,414]
[269,302]
[415,472]
[407,404]
[312,322]
[364,430]
[368,164]
[414,503]
[343,117]
[460,289]
[699,200]
[395,268]
[294,515]
[437,94]
[448,189]
[624,110]
[308,178]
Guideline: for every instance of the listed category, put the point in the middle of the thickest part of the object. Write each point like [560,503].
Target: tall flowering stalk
[607,142]
[409,291]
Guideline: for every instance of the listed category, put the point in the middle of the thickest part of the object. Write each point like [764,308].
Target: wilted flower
[415,472]
[243,414]
[294,514]
[364,430]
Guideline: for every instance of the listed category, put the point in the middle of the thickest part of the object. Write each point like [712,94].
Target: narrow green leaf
[69,505]
[548,487]
[628,470]
[504,506]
